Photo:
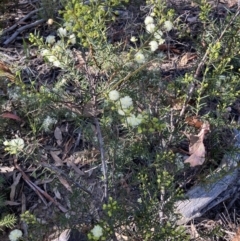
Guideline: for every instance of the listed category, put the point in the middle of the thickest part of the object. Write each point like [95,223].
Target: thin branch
[104,165]
[18,31]
[131,74]
[37,189]
[20,21]
[59,173]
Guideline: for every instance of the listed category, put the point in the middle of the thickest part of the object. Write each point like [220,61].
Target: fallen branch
[18,31]
[20,21]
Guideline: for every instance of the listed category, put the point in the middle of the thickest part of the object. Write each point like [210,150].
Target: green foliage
[126,109]
[28,218]
[8,221]
[89,20]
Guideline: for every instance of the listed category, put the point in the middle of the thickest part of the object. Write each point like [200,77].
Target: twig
[18,31]
[21,20]
[37,189]
[131,74]
[104,165]
[201,64]
[59,172]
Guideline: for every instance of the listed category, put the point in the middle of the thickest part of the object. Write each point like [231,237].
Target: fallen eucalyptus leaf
[196,147]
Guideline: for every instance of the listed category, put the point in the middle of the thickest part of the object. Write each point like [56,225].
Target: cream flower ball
[158,34]
[45,52]
[97,231]
[133,39]
[150,27]
[72,38]
[121,112]
[148,20]
[168,25]
[153,45]
[139,57]
[126,102]
[113,95]
[62,32]
[133,120]
[50,39]
[15,235]
[50,21]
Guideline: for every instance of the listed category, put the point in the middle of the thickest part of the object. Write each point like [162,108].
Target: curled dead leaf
[186,58]
[65,183]
[198,157]
[196,147]
[8,115]
[5,169]
[165,47]
[194,121]
[60,236]
[6,72]
[58,135]
[58,160]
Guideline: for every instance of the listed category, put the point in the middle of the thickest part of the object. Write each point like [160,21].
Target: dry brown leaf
[63,236]
[57,193]
[8,115]
[58,160]
[186,58]
[237,237]
[65,183]
[74,166]
[6,169]
[196,147]
[194,232]
[15,183]
[58,135]
[194,121]
[12,203]
[169,47]
[6,72]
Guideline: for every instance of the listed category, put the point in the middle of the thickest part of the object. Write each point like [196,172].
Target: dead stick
[18,31]
[58,172]
[104,165]
[37,189]
[20,21]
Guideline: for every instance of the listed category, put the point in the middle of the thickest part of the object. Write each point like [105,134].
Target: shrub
[127,110]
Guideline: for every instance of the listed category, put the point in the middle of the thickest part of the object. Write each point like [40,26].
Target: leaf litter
[196,146]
